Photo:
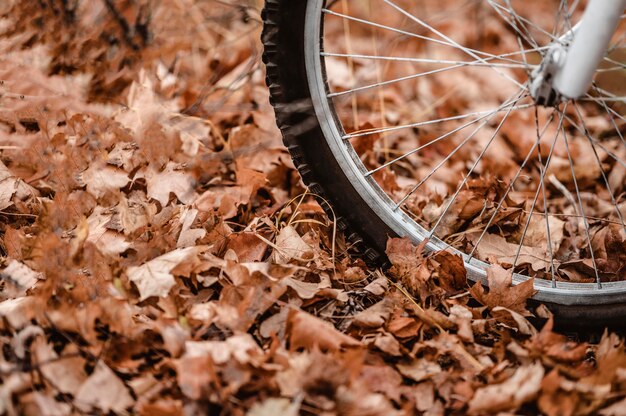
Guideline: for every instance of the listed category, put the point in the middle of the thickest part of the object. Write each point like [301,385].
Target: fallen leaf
[274,406]
[20,274]
[154,278]
[103,390]
[521,387]
[100,178]
[170,180]
[419,369]
[307,331]
[502,292]
[289,246]
[375,316]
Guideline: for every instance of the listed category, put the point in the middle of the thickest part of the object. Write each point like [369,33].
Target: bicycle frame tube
[591,39]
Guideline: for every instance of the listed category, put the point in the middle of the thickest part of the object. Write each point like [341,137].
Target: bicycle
[494,129]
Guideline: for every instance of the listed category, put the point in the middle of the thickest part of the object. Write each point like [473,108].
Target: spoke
[528,22]
[440,164]
[566,13]
[504,57]
[526,36]
[609,109]
[441,35]
[438,139]
[617,43]
[604,177]
[605,99]
[425,123]
[612,117]
[393,81]
[596,142]
[545,199]
[618,64]
[409,77]
[469,174]
[541,188]
[582,209]
[511,186]
[480,62]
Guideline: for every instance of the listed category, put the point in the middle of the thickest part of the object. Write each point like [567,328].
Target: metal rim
[565,293]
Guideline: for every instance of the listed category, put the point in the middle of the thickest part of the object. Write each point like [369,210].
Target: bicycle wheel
[413,118]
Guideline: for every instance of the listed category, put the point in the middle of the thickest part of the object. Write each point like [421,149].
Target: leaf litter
[161,256]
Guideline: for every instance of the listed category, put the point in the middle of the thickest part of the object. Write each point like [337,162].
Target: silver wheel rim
[565,293]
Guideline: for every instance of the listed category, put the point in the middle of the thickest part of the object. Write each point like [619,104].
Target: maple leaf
[502,292]
[170,180]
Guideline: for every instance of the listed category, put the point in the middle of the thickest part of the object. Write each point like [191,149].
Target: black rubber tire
[286,77]
[283,40]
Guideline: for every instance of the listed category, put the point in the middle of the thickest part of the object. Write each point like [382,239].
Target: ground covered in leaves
[161,257]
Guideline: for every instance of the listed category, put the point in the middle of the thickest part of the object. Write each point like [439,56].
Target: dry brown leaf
[308,332]
[105,391]
[189,236]
[154,278]
[290,246]
[375,316]
[11,186]
[274,406]
[20,274]
[66,374]
[502,292]
[419,369]
[170,180]
[616,409]
[521,387]
[101,179]
[496,250]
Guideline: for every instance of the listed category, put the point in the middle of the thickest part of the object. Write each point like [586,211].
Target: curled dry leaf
[376,315]
[189,236]
[521,387]
[20,274]
[11,186]
[307,331]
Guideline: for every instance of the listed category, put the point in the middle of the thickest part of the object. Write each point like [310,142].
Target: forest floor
[160,255]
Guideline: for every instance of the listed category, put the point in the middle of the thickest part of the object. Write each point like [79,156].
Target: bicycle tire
[287,78]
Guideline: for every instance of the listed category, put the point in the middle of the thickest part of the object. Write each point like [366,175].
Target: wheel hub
[541,81]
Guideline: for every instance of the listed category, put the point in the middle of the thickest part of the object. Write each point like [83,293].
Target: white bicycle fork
[567,71]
